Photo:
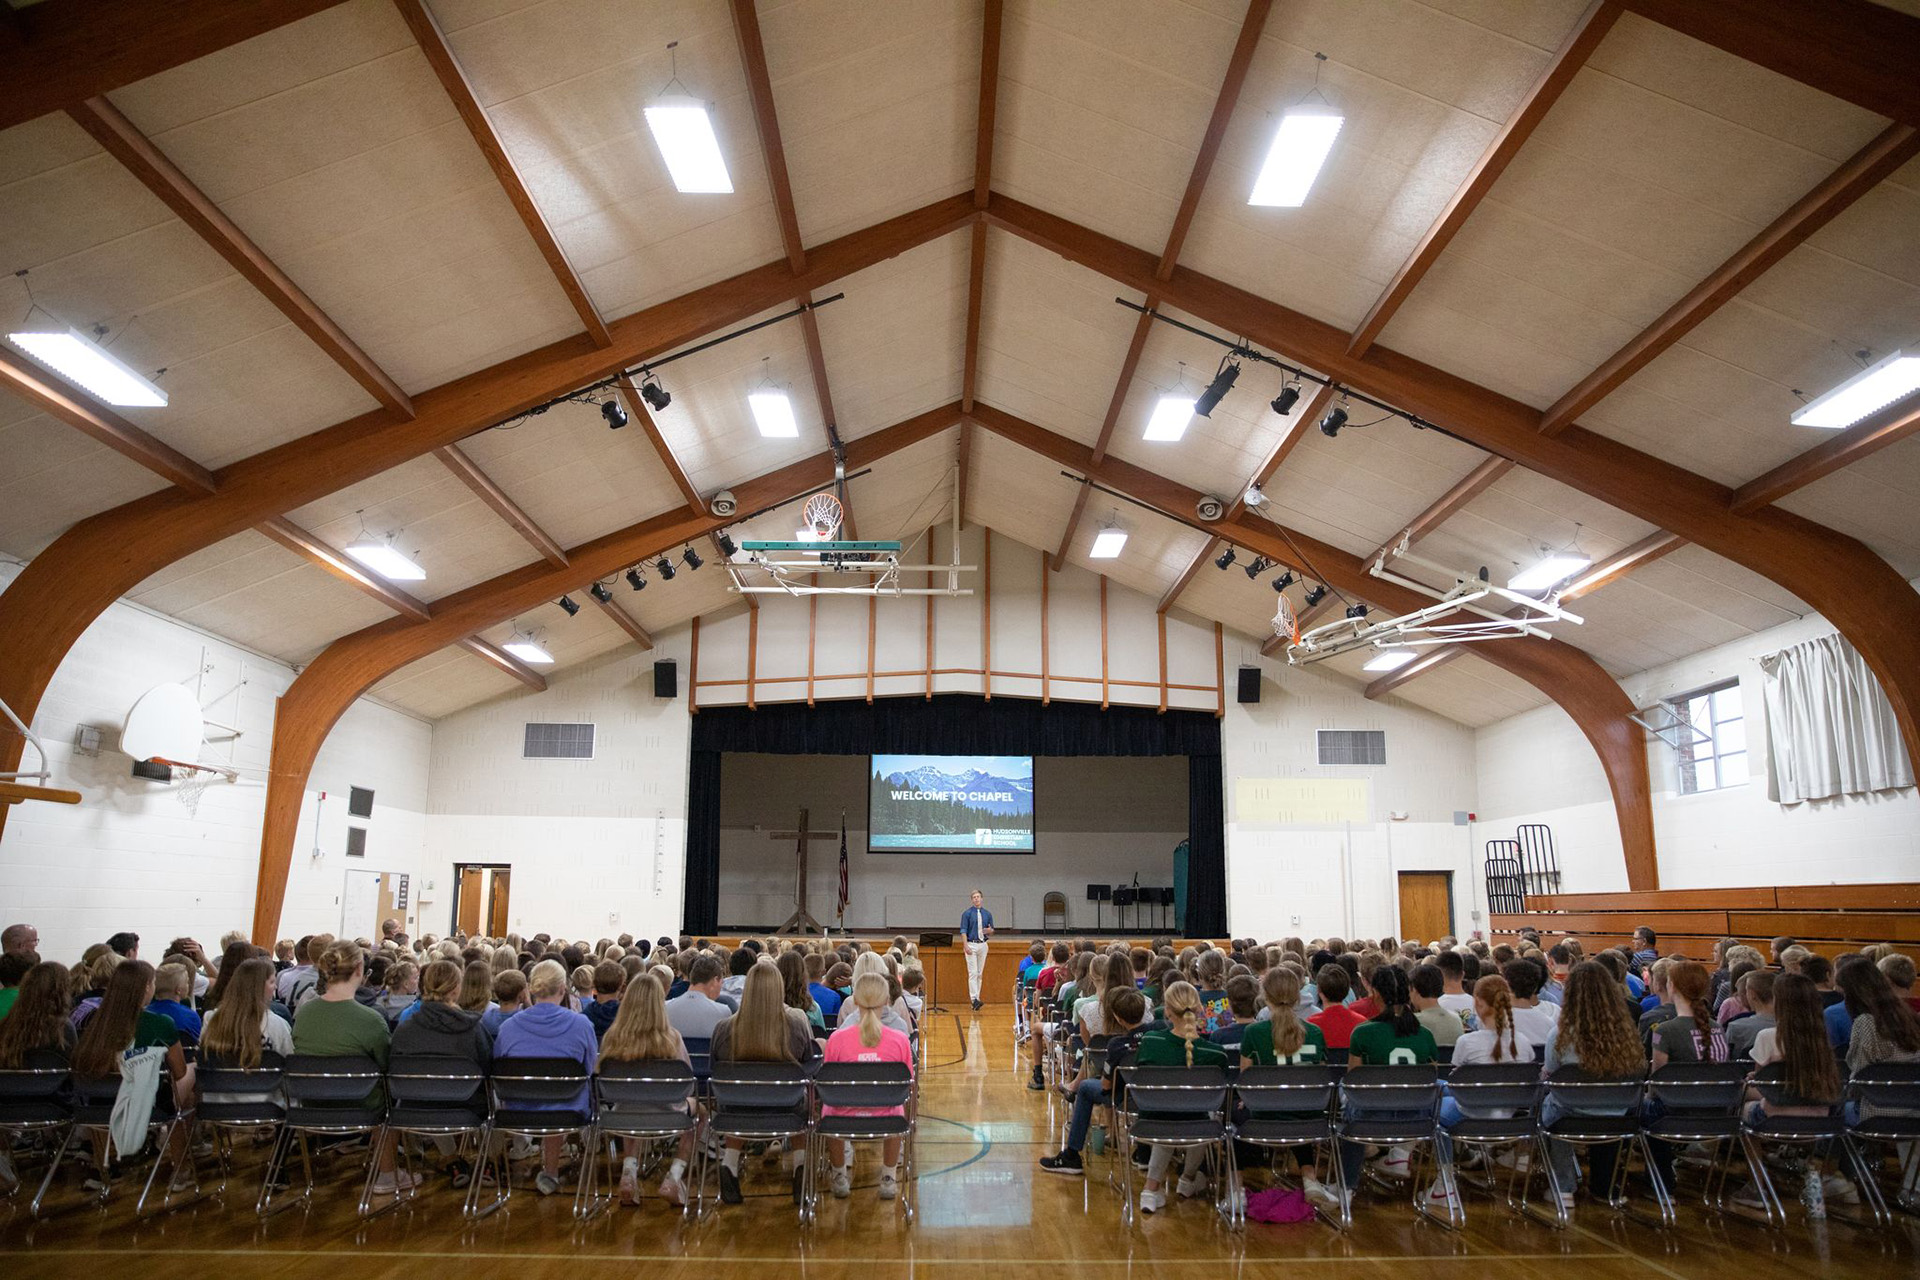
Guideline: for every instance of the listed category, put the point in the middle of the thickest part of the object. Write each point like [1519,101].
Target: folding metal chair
[536,1098]
[869,1086]
[1184,1108]
[34,1102]
[326,1096]
[440,1096]
[642,1102]
[93,1109]
[1696,1102]
[1290,1107]
[239,1100]
[1512,1087]
[758,1102]
[1388,1106]
[1885,1098]
[1809,1132]
[1594,1112]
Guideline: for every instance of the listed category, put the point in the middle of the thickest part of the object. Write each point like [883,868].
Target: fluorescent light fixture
[773,413]
[1557,567]
[1389,660]
[527,650]
[1894,378]
[91,367]
[1170,418]
[1107,543]
[683,130]
[385,561]
[1299,148]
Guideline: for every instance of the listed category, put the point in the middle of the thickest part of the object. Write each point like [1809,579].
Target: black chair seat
[856,1128]
[1694,1128]
[263,1111]
[334,1119]
[1884,1128]
[1155,1129]
[530,1120]
[1594,1128]
[38,1113]
[1476,1129]
[422,1117]
[645,1121]
[751,1122]
[1285,1129]
[1382,1130]
[1798,1126]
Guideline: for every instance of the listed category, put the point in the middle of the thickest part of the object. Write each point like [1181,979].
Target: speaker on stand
[1098,894]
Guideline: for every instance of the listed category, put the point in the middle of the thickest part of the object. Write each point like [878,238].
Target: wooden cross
[801,921]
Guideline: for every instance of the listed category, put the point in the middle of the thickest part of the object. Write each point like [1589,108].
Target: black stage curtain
[961,724]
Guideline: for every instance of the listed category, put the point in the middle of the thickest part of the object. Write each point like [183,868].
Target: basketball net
[822,515]
[194,785]
[1286,623]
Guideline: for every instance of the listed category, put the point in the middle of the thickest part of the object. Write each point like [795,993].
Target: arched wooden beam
[1567,675]
[351,665]
[1861,594]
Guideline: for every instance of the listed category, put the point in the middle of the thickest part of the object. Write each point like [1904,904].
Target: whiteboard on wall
[1302,802]
[360,905]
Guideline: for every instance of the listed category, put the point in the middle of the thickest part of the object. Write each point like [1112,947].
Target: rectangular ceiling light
[385,561]
[773,414]
[1557,567]
[528,651]
[1170,418]
[1894,378]
[1299,148]
[1107,543]
[1389,660]
[683,130]
[91,367]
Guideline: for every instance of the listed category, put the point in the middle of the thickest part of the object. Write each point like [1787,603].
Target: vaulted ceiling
[1520,192]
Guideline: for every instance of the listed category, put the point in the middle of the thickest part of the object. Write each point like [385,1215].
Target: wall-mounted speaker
[1249,684]
[360,802]
[666,678]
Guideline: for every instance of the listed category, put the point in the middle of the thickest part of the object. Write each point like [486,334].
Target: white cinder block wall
[131,857]
[1536,767]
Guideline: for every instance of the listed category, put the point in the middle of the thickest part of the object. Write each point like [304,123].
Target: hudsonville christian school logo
[983,836]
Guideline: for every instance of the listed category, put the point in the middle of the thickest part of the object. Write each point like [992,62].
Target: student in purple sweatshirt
[548,1029]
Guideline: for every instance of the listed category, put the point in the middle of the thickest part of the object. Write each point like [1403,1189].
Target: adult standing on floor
[976,926]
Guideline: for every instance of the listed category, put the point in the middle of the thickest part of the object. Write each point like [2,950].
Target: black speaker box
[666,678]
[1249,684]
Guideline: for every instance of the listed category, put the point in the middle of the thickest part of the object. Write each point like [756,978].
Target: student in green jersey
[1391,1038]
[1283,1039]
[1183,1043]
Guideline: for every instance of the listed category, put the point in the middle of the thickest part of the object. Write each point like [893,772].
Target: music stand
[933,944]
[1124,897]
[1098,894]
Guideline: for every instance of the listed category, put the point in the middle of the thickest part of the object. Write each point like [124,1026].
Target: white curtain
[1830,729]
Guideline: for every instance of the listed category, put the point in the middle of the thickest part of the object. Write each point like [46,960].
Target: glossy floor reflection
[983,1201]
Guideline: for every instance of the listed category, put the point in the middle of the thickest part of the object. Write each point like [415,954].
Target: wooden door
[1426,905]
[467,911]
[497,904]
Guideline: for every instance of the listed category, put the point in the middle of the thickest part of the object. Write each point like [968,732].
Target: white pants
[976,967]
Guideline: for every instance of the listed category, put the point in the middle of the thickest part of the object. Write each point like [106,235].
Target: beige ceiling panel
[1470,690]
[1227,597]
[1873,500]
[895,345]
[1019,493]
[1505,527]
[54,477]
[1360,489]
[42,145]
[444,682]
[903,494]
[1156,553]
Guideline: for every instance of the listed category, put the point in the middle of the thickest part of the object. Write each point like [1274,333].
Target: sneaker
[398,1183]
[460,1172]
[1438,1197]
[1152,1201]
[1193,1184]
[1067,1162]
[183,1180]
[729,1186]
[1396,1164]
[630,1181]
[546,1183]
[842,1182]
[1749,1197]
[1838,1189]
[674,1191]
[1314,1189]
[1036,1083]
[1517,1158]
[1812,1198]
[976,1006]
[889,1184]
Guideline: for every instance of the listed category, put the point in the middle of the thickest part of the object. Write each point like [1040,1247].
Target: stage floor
[983,1201]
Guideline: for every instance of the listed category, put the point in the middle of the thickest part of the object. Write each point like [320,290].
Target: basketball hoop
[199,778]
[1286,623]
[822,515]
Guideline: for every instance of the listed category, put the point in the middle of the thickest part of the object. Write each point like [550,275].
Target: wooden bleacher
[1826,918]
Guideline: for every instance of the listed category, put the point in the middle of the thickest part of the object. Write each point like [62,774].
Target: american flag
[840,912]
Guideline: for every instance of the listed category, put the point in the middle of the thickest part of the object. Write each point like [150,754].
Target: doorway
[1426,905]
[481,895]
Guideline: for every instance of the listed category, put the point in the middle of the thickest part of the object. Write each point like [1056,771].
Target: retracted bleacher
[1827,918]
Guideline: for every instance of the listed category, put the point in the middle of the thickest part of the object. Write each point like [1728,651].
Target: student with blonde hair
[641,1033]
[332,1024]
[244,1026]
[548,1029]
[763,1032]
[867,1039]
[1183,1043]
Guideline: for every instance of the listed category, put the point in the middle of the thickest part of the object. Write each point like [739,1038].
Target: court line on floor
[1077,1260]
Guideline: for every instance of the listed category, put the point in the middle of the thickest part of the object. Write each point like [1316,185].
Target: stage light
[636,580]
[1257,566]
[1107,543]
[1389,660]
[568,603]
[727,545]
[692,558]
[1315,596]
[1872,388]
[599,592]
[664,567]
[1217,389]
[1170,418]
[1282,582]
[1552,569]
[655,395]
[683,130]
[1225,559]
[1330,425]
[1300,148]
[1289,396]
[91,367]
[385,561]
[773,414]
[527,649]
[1356,611]
[615,413]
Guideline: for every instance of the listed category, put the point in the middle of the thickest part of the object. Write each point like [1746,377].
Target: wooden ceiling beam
[626,623]
[453,78]
[469,473]
[1859,52]
[62,52]
[1892,148]
[493,654]
[1875,432]
[86,415]
[314,551]
[1469,487]
[983,125]
[1181,583]
[140,157]
[1572,55]
[1381,686]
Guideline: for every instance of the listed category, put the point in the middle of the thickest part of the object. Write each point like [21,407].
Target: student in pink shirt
[866,1040]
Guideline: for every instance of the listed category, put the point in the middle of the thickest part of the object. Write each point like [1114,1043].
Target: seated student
[1819,970]
[1126,1014]
[1181,1044]
[1141,962]
[1531,1018]
[330,1023]
[1792,957]
[1282,1037]
[1756,992]
[1647,1015]
[1722,980]
[39,1015]
[1243,1000]
[763,1032]
[1645,951]
[548,1029]
[1426,985]
[823,995]
[641,1032]
[1798,1041]
[794,990]
[171,987]
[1898,969]
[867,1039]
[244,1025]
[1496,1042]
[697,1011]
[509,998]
[1596,1034]
[122,1022]
[1363,1001]
[1734,1006]
[609,979]
[403,991]
[442,1029]
[1454,996]
[1159,974]
[1559,960]
[1036,960]
[1335,1020]
[14,966]
[739,965]
[580,988]
[894,1015]
[912,984]
[1882,1027]
[1393,1037]
[1210,970]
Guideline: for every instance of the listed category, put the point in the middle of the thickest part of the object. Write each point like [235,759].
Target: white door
[360,905]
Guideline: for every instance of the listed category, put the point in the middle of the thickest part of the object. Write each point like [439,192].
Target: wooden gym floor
[983,1202]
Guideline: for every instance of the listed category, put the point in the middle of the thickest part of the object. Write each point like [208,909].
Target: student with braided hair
[1391,1038]
[1183,1043]
[1691,1035]
[1495,1042]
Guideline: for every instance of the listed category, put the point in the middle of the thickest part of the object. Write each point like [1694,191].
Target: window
[1710,721]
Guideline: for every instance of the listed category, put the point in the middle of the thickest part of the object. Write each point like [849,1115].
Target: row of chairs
[293,1101]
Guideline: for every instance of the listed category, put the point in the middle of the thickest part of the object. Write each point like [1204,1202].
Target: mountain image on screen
[918,804]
